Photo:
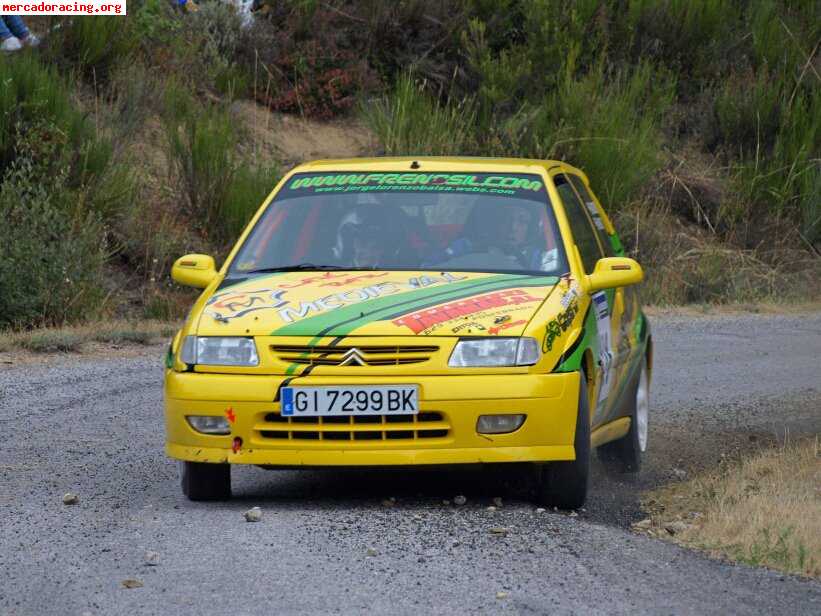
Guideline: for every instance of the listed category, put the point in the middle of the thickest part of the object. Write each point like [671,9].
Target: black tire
[625,454]
[564,484]
[206,482]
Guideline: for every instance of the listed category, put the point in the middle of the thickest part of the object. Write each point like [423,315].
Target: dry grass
[764,510]
[688,264]
[77,338]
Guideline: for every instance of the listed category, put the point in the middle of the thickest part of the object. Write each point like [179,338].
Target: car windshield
[478,222]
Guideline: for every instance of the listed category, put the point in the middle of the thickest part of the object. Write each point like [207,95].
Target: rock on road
[329,542]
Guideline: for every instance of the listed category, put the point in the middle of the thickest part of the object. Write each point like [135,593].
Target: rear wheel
[564,484]
[626,453]
[203,481]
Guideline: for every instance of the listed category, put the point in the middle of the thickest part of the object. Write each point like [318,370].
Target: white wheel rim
[642,408]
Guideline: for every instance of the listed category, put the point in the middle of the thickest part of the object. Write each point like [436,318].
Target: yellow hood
[375,303]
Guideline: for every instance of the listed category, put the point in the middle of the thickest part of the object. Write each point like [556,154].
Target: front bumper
[450,404]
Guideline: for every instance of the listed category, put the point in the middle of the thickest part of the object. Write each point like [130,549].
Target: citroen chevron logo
[353,357]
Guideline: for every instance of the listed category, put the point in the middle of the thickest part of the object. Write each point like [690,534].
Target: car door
[624,306]
[590,250]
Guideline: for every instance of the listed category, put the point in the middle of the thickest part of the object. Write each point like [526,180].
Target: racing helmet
[371,224]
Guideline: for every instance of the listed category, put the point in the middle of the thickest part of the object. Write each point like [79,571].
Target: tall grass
[410,121]
[610,126]
[94,44]
[32,93]
[220,188]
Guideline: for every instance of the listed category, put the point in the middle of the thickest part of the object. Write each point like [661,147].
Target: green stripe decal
[344,320]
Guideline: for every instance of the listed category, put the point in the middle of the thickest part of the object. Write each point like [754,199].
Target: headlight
[488,352]
[219,351]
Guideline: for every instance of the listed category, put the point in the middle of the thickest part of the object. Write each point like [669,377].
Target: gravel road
[329,542]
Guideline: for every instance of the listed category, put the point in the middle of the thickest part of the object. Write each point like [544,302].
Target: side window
[583,233]
[606,245]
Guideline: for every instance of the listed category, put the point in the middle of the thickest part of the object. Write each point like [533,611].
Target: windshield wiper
[301,267]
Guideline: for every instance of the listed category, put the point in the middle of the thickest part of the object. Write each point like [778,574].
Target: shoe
[32,40]
[11,44]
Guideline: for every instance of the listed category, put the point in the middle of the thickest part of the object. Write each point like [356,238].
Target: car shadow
[407,486]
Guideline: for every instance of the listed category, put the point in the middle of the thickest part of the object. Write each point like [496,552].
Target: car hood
[374,303]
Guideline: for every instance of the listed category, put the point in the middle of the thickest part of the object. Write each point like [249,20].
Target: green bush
[51,255]
[59,185]
[156,22]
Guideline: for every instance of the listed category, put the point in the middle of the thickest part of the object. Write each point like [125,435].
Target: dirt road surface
[329,543]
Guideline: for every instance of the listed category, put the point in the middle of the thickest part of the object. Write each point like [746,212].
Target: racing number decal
[605,342]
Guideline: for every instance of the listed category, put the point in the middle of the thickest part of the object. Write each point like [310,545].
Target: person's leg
[16,25]
[4,30]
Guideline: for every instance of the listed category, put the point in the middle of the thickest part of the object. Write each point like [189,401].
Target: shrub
[156,23]
[308,61]
[58,184]
[51,255]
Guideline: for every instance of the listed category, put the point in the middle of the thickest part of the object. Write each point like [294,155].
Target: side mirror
[612,272]
[194,270]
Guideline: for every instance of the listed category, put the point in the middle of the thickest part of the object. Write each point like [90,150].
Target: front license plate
[341,401]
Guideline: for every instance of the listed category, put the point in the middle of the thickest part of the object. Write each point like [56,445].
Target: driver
[512,230]
[518,237]
[366,238]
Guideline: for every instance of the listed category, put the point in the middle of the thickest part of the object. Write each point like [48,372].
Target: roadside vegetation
[698,124]
[89,336]
[764,510]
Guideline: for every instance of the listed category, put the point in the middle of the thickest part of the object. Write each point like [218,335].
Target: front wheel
[564,484]
[202,481]
[626,453]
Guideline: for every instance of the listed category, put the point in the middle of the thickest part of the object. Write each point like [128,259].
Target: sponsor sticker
[234,304]
[423,319]
[520,185]
[605,342]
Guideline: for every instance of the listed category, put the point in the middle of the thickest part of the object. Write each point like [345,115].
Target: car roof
[421,164]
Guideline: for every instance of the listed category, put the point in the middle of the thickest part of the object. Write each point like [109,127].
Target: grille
[355,356]
[425,425]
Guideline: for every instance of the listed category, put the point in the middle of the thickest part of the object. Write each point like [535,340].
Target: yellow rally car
[429,311]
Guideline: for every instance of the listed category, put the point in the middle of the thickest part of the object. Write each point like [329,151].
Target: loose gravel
[326,542]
